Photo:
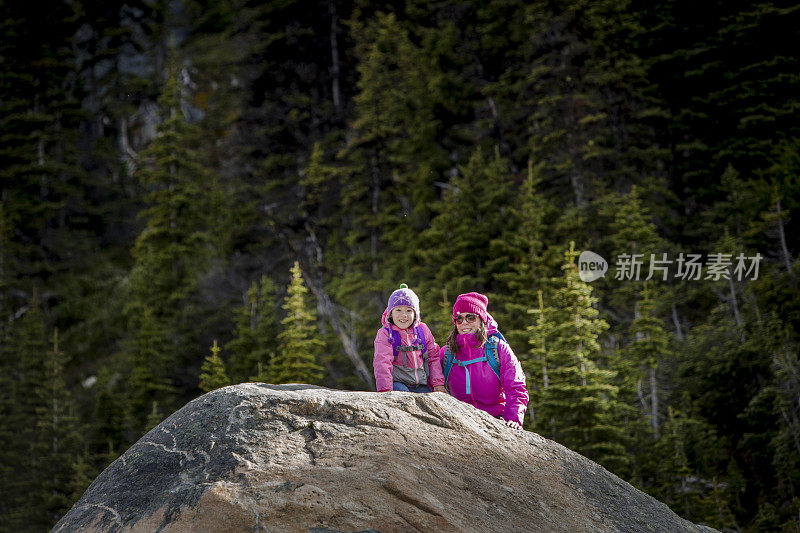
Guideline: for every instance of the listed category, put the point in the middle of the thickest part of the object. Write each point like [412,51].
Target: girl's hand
[512,424]
[440,388]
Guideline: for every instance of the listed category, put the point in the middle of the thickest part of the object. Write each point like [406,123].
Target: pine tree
[786,442]
[57,441]
[212,373]
[725,70]
[145,385]
[529,269]
[574,98]
[170,251]
[536,366]
[255,337]
[154,418]
[686,456]
[579,408]
[389,167]
[636,247]
[648,349]
[299,342]
[170,255]
[472,215]
[82,476]
[26,346]
[108,432]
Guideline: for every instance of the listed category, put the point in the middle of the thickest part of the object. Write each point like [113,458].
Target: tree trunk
[328,310]
[735,308]
[348,341]
[545,376]
[337,99]
[640,395]
[129,155]
[787,259]
[678,330]
[789,386]
[654,401]
[376,195]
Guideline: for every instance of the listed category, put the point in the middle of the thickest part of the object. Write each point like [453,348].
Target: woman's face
[403,316]
[467,323]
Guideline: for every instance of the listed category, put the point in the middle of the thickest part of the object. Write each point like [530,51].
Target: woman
[479,366]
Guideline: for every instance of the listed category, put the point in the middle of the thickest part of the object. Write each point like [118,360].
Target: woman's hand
[440,388]
[512,424]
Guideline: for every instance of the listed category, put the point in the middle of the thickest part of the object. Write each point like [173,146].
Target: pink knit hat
[471,302]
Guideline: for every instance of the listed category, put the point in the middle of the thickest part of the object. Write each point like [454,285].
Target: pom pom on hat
[471,302]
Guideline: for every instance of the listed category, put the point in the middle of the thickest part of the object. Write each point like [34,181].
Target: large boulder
[255,457]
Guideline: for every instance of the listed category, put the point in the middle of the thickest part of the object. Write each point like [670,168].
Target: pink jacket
[382,364]
[506,397]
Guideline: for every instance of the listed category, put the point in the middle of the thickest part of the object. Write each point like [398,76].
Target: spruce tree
[722,67]
[154,418]
[388,167]
[170,255]
[57,443]
[212,373]
[82,476]
[786,442]
[574,98]
[398,130]
[536,366]
[108,432]
[687,455]
[391,166]
[636,248]
[26,347]
[146,386]
[299,343]
[255,335]
[648,349]
[472,216]
[580,409]
[724,369]
[529,268]
[170,250]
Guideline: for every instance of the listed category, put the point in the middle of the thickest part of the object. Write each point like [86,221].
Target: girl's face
[403,316]
[467,323]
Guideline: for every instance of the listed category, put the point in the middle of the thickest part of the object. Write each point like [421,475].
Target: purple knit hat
[403,296]
[471,302]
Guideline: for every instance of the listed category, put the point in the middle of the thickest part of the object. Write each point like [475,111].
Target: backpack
[419,344]
[489,355]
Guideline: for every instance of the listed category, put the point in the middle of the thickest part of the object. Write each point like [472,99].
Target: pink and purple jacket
[506,397]
[384,362]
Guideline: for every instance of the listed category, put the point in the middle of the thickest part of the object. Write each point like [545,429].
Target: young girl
[406,355]
[479,366]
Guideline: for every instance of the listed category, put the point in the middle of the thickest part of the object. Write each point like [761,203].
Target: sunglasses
[469,318]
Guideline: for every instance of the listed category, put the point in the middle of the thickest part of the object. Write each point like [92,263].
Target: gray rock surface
[255,457]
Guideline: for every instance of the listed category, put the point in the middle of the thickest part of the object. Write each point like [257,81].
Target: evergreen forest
[195,193]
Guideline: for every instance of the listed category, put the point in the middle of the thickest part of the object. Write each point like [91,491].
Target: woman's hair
[480,335]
